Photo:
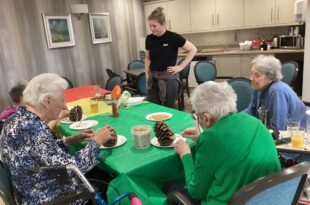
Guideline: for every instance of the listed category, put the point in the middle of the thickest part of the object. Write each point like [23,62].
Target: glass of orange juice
[94,105]
[298,138]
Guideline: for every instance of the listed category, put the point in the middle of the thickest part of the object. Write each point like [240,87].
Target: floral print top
[28,142]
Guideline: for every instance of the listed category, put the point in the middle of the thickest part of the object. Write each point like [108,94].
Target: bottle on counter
[263,45]
[115,95]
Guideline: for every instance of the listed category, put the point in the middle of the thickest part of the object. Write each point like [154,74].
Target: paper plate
[120,141]
[159,116]
[81,125]
[66,120]
[155,143]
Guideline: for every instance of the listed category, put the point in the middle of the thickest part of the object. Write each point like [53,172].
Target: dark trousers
[172,88]
[172,186]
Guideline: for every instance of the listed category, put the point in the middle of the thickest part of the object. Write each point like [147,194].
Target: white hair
[218,99]
[41,86]
[268,65]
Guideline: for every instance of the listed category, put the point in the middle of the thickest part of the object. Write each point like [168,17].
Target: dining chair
[183,75]
[113,81]
[141,84]
[289,71]
[283,187]
[135,64]
[243,90]
[6,194]
[205,71]
[70,84]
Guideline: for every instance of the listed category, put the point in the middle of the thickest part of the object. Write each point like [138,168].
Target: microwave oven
[288,41]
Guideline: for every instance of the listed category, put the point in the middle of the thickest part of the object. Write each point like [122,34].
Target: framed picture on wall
[100,28]
[58,30]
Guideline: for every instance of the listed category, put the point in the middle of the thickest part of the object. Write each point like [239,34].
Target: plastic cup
[142,136]
[298,138]
[94,105]
[292,125]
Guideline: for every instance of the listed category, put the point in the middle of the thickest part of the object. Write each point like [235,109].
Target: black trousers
[172,186]
[172,88]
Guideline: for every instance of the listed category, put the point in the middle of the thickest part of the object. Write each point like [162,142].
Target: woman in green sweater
[233,150]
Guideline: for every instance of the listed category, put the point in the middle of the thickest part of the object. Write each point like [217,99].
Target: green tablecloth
[140,171]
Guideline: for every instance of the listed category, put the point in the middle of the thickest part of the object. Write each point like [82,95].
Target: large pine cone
[112,142]
[164,134]
[75,113]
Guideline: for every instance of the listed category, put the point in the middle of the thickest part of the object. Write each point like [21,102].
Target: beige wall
[24,52]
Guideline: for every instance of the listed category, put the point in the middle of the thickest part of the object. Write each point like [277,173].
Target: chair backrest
[113,81]
[243,90]
[289,72]
[141,84]
[110,72]
[283,187]
[6,194]
[70,84]
[136,64]
[183,74]
[204,71]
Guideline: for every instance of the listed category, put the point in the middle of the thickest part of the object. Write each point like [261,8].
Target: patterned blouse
[28,142]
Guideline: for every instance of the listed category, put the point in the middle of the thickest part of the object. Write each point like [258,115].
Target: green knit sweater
[236,150]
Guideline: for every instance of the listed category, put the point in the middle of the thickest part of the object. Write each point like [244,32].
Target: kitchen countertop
[214,52]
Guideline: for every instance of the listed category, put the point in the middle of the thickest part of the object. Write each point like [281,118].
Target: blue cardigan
[282,103]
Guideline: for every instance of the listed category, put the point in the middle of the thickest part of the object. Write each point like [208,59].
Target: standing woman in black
[160,60]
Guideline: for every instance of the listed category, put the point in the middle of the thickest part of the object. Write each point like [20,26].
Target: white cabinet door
[229,66]
[245,65]
[229,14]
[259,12]
[202,15]
[285,11]
[178,16]
[148,8]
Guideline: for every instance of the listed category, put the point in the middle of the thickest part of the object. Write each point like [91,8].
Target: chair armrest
[177,198]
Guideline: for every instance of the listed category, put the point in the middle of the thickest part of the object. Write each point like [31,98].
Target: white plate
[120,141]
[154,141]
[67,121]
[81,125]
[134,101]
[152,116]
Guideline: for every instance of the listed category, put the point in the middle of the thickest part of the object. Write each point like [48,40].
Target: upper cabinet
[177,14]
[268,12]
[183,16]
[216,14]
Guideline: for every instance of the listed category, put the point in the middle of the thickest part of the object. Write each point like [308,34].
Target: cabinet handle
[218,20]
[271,11]
[213,20]
[278,14]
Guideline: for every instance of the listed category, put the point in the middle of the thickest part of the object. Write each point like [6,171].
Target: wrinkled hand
[63,114]
[103,135]
[174,69]
[191,133]
[181,148]
[80,137]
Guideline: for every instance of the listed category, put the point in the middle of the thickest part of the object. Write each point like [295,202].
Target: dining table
[143,171]
[134,73]
[286,146]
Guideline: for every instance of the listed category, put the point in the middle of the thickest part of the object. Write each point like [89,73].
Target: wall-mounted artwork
[100,28]
[58,30]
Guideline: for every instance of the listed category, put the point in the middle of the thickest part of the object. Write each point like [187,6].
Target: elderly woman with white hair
[28,142]
[273,95]
[233,150]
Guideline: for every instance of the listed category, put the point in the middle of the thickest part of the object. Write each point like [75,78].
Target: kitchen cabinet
[176,12]
[268,12]
[228,66]
[216,14]
[246,65]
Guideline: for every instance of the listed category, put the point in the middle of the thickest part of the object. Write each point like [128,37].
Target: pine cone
[164,134]
[112,142]
[75,113]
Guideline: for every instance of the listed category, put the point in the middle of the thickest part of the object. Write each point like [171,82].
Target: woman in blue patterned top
[28,142]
